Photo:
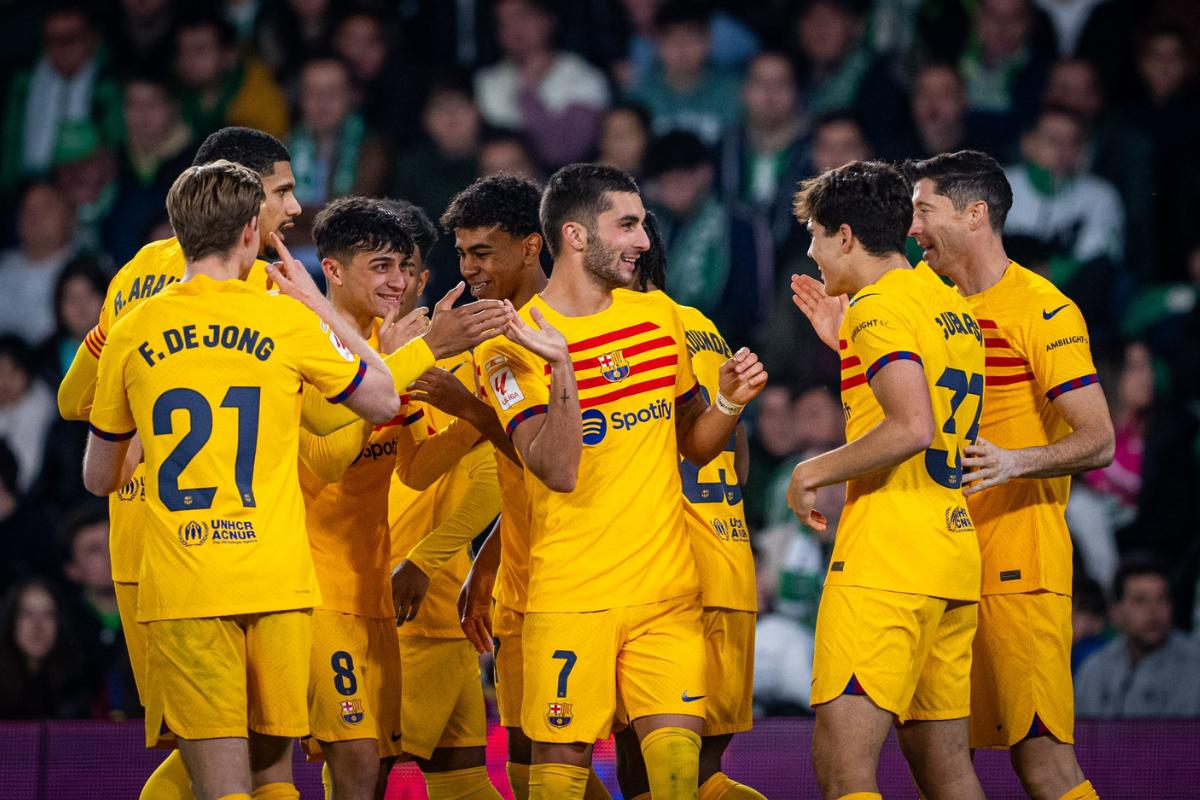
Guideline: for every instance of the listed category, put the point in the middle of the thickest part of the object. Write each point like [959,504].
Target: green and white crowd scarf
[316,182]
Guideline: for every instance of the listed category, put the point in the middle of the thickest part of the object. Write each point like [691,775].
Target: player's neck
[981,267]
[535,281]
[362,320]
[872,268]
[572,292]
[219,267]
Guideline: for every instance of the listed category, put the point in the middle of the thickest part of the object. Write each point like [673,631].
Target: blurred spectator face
[1074,85]
[200,60]
[641,13]
[14,380]
[69,42]
[770,92]
[522,29]
[36,627]
[79,307]
[938,99]
[507,157]
[452,121]
[683,49]
[309,9]
[827,32]
[681,190]
[360,40]
[45,222]
[1055,144]
[142,9]
[837,143]
[150,114]
[1003,27]
[159,231]
[1135,388]
[818,419]
[90,565]
[84,180]
[1144,611]
[325,95]
[776,428]
[1163,65]
[623,141]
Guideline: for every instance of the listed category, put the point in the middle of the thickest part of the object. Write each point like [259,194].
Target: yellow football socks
[721,787]
[862,796]
[461,784]
[276,791]
[557,782]
[170,781]
[518,779]
[672,763]
[596,790]
[1084,791]
[327,780]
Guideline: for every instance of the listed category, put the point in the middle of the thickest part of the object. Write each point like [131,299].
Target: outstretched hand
[395,333]
[824,312]
[545,340]
[454,330]
[292,278]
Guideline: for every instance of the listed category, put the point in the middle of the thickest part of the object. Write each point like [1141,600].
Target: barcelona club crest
[193,533]
[558,714]
[613,366]
[352,711]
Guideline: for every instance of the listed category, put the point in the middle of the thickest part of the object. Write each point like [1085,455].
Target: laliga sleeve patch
[343,351]
[505,388]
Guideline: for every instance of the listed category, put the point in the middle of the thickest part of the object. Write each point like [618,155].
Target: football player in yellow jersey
[896,619]
[205,372]
[721,543]
[612,582]
[1045,419]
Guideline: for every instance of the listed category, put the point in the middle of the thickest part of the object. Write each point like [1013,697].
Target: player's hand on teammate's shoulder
[801,499]
[985,465]
[454,330]
[409,586]
[545,340]
[742,377]
[824,312]
[293,280]
[440,389]
[395,333]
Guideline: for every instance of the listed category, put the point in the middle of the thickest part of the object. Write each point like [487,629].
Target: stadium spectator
[45,236]
[69,82]
[26,408]
[508,154]
[720,258]
[762,157]
[733,41]
[685,89]
[91,607]
[85,171]
[218,86]
[296,31]
[1151,669]
[24,527]
[157,147]
[38,656]
[1069,18]
[940,120]
[1089,619]
[840,72]
[837,140]
[555,98]
[624,138]
[365,39]
[139,34]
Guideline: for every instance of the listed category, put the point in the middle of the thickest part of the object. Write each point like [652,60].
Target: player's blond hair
[210,204]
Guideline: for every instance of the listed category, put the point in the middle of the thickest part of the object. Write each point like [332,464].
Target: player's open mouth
[477,288]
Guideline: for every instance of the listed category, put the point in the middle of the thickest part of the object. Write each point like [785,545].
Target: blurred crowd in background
[718,109]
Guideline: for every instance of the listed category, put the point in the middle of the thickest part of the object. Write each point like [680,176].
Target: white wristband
[727,406]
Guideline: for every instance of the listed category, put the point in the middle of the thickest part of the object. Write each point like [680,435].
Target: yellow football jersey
[1037,348]
[348,519]
[209,374]
[712,495]
[907,528]
[154,267]
[619,539]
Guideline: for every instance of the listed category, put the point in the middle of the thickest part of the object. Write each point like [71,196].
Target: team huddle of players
[295,480]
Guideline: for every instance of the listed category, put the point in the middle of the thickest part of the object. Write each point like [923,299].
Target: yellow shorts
[443,696]
[354,681]
[577,663]
[729,670]
[910,654]
[510,664]
[218,677]
[135,633]
[1021,674]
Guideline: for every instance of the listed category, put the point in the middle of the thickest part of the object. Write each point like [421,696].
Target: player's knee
[520,749]
[1046,767]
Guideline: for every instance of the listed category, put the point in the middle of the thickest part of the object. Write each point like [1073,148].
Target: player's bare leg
[1047,767]
[271,766]
[218,767]
[940,760]
[353,768]
[847,737]
[631,767]
[385,770]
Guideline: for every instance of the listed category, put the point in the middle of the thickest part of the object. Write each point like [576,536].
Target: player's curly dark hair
[967,176]
[251,148]
[872,197]
[505,200]
[652,264]
[420,228]
[352,225]
[577,193]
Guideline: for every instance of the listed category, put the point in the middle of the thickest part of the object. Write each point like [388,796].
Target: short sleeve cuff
[528,413]
[344,394]
[688,395]
[94,342]
[1076,383]
[109,436]
[883,361]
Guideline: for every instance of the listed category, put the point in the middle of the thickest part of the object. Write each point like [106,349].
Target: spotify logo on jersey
[594,426]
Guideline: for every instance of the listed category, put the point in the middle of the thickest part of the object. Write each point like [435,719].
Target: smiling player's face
[374,282]
[618,239]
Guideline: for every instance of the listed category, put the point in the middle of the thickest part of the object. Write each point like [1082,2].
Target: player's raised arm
[704,429]
[375,398]
[824,312]
[453,330]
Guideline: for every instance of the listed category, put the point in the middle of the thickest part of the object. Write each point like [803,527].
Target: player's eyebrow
[629,218]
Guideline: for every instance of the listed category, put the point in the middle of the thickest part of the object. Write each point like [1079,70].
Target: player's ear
[847,234]
[532,246]
[250,233]
[332,270]
[978,214]
[575,235]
